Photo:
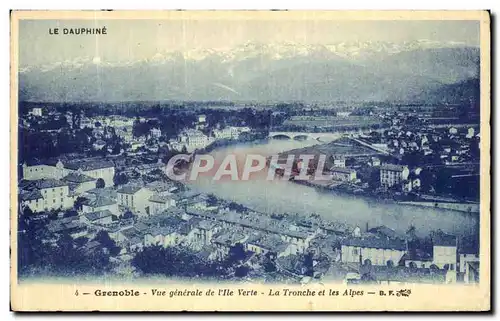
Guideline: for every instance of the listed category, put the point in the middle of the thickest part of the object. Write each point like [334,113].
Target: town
[95,196]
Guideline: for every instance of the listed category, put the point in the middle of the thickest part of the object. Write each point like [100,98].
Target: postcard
[250,161]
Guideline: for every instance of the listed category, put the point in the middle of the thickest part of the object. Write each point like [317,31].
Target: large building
[99,168]
[230,132]
[391,174]
[159,203]
[192,140]
[45,194]
[100,204]
[379,251]
[79,183]
[343,174]
[444,248]
[135,198]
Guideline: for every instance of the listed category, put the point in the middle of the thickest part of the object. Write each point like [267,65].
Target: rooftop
[343,170]
[375,242]
[94,216]
[77,178]
[160,198]
[408,275]
[392,167]
[99,202]
[30,195]
[42,184]
[89,165]
[129,189]
[384,231]
[443,239]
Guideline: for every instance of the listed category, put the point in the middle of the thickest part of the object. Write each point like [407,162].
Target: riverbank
[461,207]
[342,188]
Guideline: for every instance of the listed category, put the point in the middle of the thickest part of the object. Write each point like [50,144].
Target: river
[287,197]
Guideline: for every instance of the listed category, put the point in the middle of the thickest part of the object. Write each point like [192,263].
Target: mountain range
[357,71]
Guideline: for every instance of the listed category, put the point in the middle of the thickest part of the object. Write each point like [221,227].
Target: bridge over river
[322,137]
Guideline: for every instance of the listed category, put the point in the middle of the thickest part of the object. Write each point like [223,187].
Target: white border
[186,4]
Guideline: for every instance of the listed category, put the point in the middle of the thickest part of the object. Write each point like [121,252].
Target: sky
[138,39]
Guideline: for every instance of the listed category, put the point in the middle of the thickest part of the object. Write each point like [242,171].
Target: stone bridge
[322,137]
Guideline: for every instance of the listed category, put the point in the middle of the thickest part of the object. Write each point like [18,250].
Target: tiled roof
[375,242]
[417,255]
[48,183]
[255,221]
[77,178]
[407,275]
[442,239]
[31,195]
[206,225]
[99,202]
[88,165]
[94,216]
[129,189]
[342,170]
[160,198]
[392,167]
[384,230]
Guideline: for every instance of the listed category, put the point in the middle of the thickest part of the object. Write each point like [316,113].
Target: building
[193,139]
[135,198]
[470,132]
[338,161]
[45,194]
[379,251]
[375,161]
[159,203]
[163,236]
[79,183]
[343,174]
[32,199]
[100,204]
[100,218]
[416,258]
[37,111]
[471,274]
[71,225]
[202,233]
[42,170]
[391,174]
[94,168]
[268,244]
[98,144]
[58,169]
[444,248]
[155,132]
[401,275]
[225,239]
[230,132]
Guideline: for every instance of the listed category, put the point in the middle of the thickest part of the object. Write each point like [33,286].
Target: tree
[100,183]
[105,240]
[411,233]
[79,202]
[174,261]
[241,271]
[120,179]
[128,215]
[70,213]
[212,200]
[269,264]
[237,253]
